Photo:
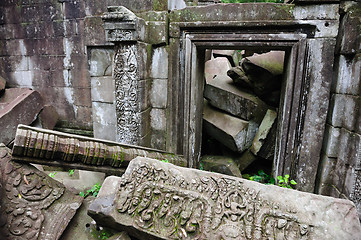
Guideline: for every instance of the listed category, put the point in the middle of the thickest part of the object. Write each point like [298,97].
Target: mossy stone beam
[48,147]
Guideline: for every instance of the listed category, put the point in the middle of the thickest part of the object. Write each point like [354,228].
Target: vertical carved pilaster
[126,88]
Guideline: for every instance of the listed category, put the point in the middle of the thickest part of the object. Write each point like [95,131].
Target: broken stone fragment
[246,159]
[33,205]
[47,118]
[223,94]
[17,106]
[232,132]
[2,85]
[158,200]
[225,53]
[272,61]
[216,67]
[263,130]
[220,164]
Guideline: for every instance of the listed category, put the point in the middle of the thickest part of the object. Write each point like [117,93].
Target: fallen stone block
[33,205]
[223,94]
[232,132]
[220,164]
[263,131]
[2,85]
[272,61]
[47,118]
[47,147]
[17,106]
[216,67]
[246,159]
[159,200]
[225,53]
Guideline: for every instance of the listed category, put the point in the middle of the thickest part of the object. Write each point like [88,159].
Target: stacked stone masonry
[61,49]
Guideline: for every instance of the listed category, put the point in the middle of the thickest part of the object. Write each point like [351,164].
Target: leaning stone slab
[159,200]
[216,67]
[46,147]
[223,94]
[234,133]
[33,205]
[17,106]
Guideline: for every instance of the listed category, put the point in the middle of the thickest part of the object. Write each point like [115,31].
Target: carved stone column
[126,31]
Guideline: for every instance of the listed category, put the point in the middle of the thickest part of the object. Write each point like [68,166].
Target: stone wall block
[331,141]
[158,140]
[344,111]
[156,32]
[326,177]
[145,127]
[349,38]
[159,65]
[158,119]
[158,93]
[104,113]
[94,31]
[107,132]
[102,89]
[101,62]
[348,79]
[144,60]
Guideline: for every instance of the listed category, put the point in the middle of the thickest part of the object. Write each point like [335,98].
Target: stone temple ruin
[132,87]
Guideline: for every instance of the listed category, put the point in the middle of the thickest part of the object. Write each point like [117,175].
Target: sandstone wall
[44,46]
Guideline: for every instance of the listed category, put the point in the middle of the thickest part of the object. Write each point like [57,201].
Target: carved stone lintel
[48,147]
[167,202]
[32,205]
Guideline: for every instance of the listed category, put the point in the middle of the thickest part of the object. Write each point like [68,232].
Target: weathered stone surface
[2,85]
[120,236]
[223,94]
[104,121]
[158,93]
[225,53]
[216,67]
[155,199]
[326,177]
[101,62]
[47,118]
[227,129]
[102,89]
[17,106]
[348,75]
[272,61]
[331,141]
[245,160]
[220,164]
[33,205]
[60,149]
[263,130]
[159,67]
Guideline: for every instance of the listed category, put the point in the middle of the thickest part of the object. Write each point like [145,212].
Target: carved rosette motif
[120,35]
[25,193]
[126,93]
[165,203]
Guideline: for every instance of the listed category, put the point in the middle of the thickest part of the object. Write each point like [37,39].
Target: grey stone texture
[227,129]
[18,106]
[101,62]
[158,95]
[220,164]
[168,198]
[2,85]
[47,118]
[33,205]
[223,94]
[216,67]
[102,89]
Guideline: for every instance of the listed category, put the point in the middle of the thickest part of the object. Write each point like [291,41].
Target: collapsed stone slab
[234,133]
[33,205]
[223,94]
[216,67]
[55,148]
[18,106]
[159,200]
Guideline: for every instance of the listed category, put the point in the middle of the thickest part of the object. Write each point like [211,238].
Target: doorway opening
[242,92]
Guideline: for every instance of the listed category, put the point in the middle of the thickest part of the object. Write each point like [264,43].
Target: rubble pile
[22,106]
[242,93]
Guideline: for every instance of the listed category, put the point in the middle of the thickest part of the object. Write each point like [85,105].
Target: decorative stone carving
[126,93]
[32,205]
[55,148]
[169,202]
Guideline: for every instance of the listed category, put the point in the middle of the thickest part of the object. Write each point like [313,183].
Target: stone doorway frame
[305,95]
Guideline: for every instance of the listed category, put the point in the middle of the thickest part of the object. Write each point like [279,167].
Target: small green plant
[165,160]
[71,172]
[285,182]
[263,177]
[52,174]
[93,191]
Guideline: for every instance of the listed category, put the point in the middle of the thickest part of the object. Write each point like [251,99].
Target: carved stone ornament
[32,204]
[47,147]
[126,93]
[159,200]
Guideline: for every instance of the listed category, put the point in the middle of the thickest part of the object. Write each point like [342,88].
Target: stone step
[158,200]
[223,94]
[234,133]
